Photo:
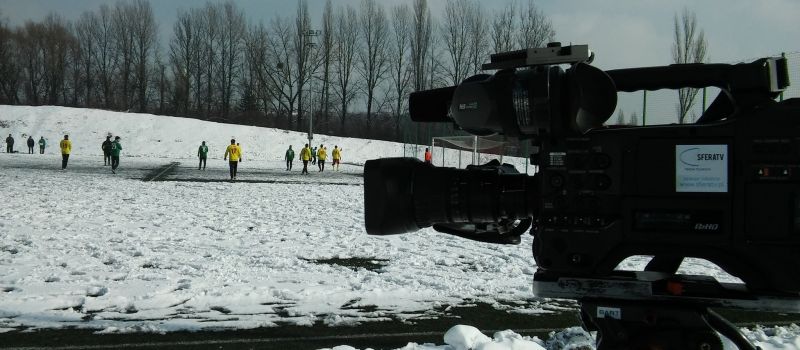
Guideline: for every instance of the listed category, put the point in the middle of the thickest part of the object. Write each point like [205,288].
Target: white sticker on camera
[701,168]
[609,312]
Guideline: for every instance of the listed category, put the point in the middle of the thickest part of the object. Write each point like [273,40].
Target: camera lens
[404,195]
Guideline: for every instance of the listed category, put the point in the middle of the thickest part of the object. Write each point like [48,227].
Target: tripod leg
[629,325]
[728,330]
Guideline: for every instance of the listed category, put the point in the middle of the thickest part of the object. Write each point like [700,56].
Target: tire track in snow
[159,172]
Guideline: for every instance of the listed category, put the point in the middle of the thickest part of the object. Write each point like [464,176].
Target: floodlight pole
[311,33]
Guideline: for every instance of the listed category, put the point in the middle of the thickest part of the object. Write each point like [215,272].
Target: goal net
[460,151]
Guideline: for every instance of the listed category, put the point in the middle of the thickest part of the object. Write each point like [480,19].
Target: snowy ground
[85,248]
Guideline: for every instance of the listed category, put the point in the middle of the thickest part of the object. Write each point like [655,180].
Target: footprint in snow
[183,285]
[50,279]
[96,291]
[221,309]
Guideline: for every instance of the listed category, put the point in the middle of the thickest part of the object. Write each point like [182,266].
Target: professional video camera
[725,189]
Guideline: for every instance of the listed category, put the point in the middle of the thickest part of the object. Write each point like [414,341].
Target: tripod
[635,326]
[657,310]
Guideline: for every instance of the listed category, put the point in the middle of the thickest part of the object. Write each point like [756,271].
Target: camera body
[725,189]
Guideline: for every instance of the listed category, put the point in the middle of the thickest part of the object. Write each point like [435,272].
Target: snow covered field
[85,248]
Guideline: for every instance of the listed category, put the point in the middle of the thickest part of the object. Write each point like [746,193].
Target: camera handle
[638,325]
[743,86]
[766,75]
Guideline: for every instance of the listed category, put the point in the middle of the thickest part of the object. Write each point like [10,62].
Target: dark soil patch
[370,264]
[159,173]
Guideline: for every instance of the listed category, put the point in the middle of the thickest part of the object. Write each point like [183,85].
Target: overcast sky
[623,33]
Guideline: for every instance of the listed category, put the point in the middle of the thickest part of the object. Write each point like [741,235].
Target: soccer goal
[460,151]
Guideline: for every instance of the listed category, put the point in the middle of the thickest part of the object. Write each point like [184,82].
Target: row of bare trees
[104,59]
[351,70]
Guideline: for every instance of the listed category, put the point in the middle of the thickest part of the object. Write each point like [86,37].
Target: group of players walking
[31,144]
[233,154]
[314,155]
[111,150]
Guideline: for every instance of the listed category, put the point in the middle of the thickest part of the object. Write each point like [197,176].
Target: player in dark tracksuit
[116,148]
[106,151]
[289,158]
[31,143]
[9,144]
[202,153]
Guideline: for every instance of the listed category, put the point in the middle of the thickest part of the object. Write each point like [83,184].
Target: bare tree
[304,54]
[400,72]
[73,88]
[104,58]
[281,55]
[690,46]
[211,31]
[634,119]
[86,44]
[478,38]
[204,54]
[29,41]
[123,48]
[57,42]
[9,66]
[621,117]
[184,50]
[230,43]
[198,72]
[372,54]
[434,65]
[144,40]
[420,43]
[346,48]
[44,48]
[262,69]
[326,55]
[456,30]
[503,28]
[535,29]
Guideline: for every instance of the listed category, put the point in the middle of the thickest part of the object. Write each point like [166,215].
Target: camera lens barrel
[404,195]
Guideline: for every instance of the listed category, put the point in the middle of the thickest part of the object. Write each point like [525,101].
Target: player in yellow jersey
[66,149]
[235,153]
[305,156]
[337,157]
[322,154]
